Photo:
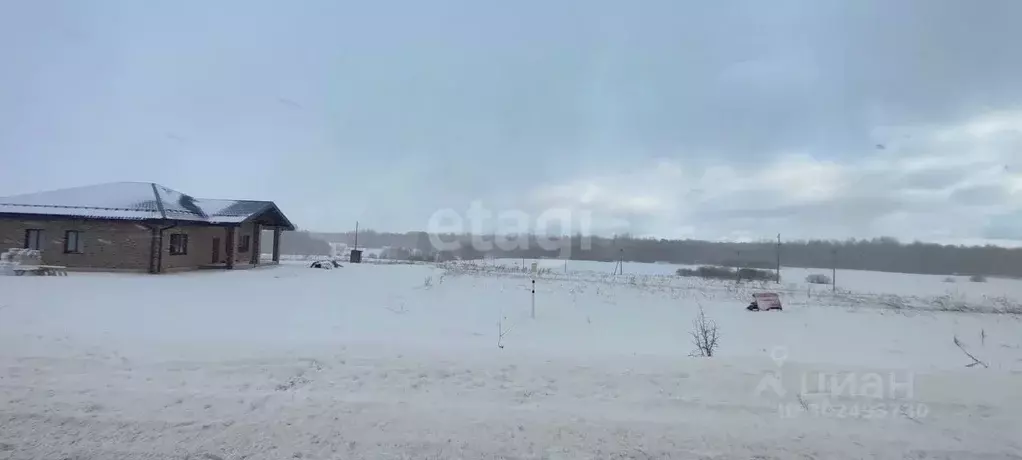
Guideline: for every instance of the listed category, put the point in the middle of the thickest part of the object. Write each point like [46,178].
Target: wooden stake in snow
[533,299]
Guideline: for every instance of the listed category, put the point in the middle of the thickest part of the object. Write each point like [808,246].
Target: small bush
[755,274]
[978,279]
[709,272]
[705,335]
[949,279]
[761,264]
[818,278]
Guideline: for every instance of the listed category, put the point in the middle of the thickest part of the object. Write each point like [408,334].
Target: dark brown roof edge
[271,206]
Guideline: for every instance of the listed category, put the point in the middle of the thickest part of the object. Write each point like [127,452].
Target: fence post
[533,299]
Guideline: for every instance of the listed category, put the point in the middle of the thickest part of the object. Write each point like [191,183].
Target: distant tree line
[877,254]
[295,243]
[372,239]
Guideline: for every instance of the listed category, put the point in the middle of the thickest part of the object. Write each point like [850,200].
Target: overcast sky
[668,118]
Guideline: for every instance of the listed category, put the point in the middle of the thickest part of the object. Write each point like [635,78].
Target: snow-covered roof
[135,201]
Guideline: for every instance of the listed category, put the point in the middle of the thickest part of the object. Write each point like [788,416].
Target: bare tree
[705,335]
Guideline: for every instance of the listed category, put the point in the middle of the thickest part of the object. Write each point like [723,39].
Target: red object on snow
[767,301]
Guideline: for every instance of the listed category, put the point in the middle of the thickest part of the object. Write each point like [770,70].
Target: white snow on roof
[132,201]
[227,219]
[116,195]
[93,213]
[175,202]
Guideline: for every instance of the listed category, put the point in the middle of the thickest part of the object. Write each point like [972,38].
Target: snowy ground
[401,361]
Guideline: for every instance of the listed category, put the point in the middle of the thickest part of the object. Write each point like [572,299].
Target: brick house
[139,226]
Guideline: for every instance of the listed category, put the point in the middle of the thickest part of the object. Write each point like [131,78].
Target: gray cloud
[981,195]
[1004,227]
[926,179]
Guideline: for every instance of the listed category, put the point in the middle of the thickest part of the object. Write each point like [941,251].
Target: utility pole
[617,264]
[833,271]
[738,265]
[778,258]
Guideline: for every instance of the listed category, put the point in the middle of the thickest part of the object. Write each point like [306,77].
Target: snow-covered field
[401,361]
[858,281]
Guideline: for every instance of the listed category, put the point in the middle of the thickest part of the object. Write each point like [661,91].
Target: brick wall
[245,258]
[200,246]
[104,244]
[125,245]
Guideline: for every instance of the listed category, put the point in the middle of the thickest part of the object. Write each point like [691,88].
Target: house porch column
[276,244]
[256,247]
[231,246]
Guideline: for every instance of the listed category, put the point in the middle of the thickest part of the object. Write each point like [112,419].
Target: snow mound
[18,256]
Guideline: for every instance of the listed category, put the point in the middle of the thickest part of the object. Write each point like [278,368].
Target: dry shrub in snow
[978,279]
[975,361]
[894,302]
[755,274]
[501,332]
[818,278]
[1003,304]
[949,279]
[709,272]
[950,302]
[705,335]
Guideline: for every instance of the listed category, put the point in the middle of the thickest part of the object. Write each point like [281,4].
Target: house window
[178,244]
[72,242]
[245,243]
[33,239]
